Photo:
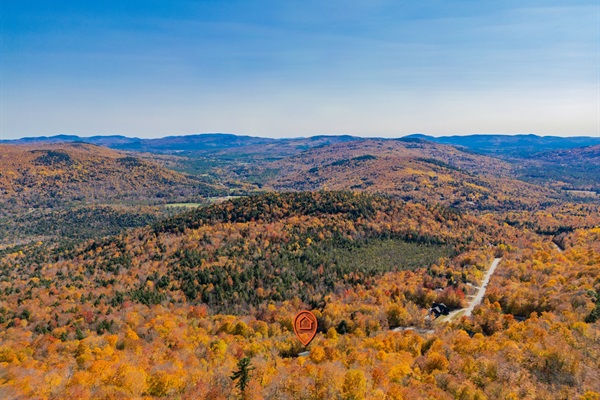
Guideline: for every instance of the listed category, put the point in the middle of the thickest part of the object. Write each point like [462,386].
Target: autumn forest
[176,271]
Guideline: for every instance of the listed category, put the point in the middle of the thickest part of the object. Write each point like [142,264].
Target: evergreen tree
[242,374]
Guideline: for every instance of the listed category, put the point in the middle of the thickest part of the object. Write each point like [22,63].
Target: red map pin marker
[305,326]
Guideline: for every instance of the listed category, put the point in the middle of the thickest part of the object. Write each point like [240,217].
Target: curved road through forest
[477,299]
[454,314]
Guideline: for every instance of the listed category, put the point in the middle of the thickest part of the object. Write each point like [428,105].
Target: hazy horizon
[290,69]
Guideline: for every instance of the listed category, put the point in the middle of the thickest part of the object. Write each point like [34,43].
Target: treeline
[275,205]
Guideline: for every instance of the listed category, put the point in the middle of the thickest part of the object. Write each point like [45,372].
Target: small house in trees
[439,309]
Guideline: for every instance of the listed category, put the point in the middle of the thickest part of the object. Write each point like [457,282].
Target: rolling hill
[412,169]
[51,175]
[247,164]
[575,170]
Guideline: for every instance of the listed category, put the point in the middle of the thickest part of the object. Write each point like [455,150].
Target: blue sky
[152,68]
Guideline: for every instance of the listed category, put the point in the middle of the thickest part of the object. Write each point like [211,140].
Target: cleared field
[186,205]
[220,199]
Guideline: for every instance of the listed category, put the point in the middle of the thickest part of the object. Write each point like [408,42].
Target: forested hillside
[60,174]
[74,223]
[244,252]
[413,170]
[170,310]
[575,169]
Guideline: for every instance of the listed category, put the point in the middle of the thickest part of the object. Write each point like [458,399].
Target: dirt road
[454,314]
[481,292]
[476,300]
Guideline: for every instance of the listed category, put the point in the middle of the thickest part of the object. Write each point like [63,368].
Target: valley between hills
[152,268]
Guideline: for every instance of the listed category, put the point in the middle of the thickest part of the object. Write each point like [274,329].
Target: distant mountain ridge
[204,142]
[511,145]
[493,144]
